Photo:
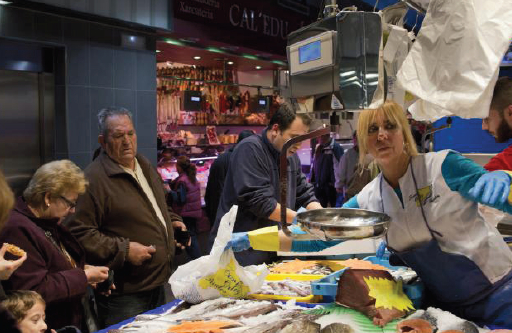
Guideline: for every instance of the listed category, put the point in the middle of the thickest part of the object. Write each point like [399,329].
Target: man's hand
[139,253]
[7,267]
[180,225]
[95,274]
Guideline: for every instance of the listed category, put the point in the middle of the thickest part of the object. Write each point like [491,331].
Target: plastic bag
[456,56]
[217,274]
[394,48]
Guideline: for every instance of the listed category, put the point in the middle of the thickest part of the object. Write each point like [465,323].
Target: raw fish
[201,327]
[337,328]
[302,325]
[452,331]
[414,326]
[445,321]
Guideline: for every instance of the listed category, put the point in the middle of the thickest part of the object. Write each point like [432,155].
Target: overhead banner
[261,25]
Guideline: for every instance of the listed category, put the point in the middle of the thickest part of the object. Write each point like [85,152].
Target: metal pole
[283,170]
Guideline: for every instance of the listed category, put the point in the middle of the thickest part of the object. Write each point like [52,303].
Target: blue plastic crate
[328,286]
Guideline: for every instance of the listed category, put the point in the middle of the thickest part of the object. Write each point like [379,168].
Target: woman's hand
[95,274]
[7,267]
[491,188]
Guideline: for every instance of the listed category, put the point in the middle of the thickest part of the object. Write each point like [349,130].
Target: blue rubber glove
[301,209]
[381,250]
[239,242]
[491,188]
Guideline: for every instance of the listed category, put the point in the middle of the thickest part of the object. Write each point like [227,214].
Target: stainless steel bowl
[343,223]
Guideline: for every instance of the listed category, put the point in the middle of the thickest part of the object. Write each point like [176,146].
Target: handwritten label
[226,281]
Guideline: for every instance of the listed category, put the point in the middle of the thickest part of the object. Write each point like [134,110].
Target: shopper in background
[326,161]
[499,123]
[187,203]
[55,265]
[348,165]
[252,181]
[354,176]
[123,222]
[216,177]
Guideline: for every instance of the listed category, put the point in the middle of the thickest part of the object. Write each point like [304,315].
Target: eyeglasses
[68,202]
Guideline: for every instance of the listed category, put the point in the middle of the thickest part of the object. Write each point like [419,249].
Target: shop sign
[273,19]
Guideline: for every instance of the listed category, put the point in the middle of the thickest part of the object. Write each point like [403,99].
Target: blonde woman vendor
[435,228]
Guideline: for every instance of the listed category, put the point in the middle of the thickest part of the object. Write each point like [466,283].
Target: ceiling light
[249,56]
[279,62]
[214,50]
[4,2]
[197,57]
[258,67]
[174,42]
[230,63]
[158,51]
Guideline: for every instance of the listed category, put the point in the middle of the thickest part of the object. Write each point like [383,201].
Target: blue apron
[456,281]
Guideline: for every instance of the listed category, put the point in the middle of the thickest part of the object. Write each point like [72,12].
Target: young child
[27,307]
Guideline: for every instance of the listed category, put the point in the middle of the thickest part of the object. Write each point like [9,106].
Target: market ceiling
[245,33]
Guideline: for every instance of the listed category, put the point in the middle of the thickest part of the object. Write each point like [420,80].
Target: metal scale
[334,60]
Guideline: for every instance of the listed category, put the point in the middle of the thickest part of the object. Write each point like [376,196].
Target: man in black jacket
[252,181]
[216,178]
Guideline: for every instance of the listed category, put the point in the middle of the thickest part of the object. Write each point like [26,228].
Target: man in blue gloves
[252,181]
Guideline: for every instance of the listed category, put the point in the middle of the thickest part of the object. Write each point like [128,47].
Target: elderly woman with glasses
[55,266]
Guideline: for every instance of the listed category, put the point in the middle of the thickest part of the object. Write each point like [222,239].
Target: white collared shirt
[143,182]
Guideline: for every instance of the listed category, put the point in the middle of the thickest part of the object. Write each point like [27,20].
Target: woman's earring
[406,148]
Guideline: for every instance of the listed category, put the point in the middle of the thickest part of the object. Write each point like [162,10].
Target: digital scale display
[263,102]
[309,52]
[195,99]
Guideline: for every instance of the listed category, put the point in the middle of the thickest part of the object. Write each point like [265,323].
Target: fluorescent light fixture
[258,67]
[214,50]
[279,62]
[230,63]
[174,42]
[158,51]
[5,2]
[197,57]
[250,56]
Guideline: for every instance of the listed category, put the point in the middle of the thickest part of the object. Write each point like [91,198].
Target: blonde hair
[6,199]
[55,178]
[19,303]
[394,113]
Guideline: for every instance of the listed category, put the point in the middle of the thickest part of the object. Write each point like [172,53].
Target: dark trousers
[193,251]
[116,308]
[326,195]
